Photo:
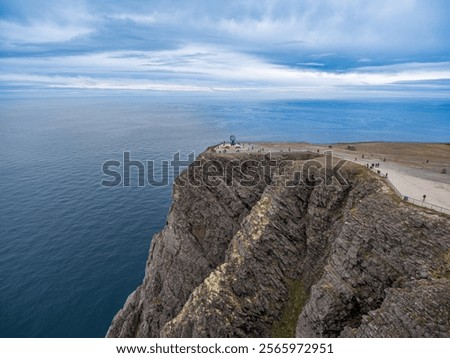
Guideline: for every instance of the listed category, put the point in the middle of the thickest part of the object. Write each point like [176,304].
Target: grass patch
[444,270]
[297,298]
[360,172]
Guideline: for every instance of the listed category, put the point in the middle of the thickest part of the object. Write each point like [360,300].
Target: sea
[72,250]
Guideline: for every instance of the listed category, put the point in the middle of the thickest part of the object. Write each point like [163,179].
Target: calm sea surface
[71,250]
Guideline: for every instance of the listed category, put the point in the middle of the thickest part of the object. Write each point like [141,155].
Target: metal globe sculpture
[233,139]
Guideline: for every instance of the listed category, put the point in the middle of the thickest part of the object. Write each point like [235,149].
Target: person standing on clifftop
[424,197]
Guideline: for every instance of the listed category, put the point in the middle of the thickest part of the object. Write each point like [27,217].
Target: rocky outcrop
[251,251]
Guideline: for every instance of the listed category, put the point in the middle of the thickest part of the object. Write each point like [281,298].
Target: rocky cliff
[282,247]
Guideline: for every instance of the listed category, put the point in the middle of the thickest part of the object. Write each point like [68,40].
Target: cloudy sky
[313,48]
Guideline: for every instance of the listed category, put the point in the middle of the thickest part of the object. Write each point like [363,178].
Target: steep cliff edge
[249,252]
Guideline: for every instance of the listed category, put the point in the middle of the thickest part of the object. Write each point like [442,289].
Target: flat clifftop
[415,169]
[291,245]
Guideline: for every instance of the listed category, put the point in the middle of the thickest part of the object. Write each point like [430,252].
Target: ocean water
[71,251]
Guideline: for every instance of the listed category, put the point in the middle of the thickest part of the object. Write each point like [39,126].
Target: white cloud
[151,18]
[83,82]
[331,24]
[200,68]
[41,32]
[48,23]
[310,64]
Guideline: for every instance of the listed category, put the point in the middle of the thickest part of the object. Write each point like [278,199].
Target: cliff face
[336,259]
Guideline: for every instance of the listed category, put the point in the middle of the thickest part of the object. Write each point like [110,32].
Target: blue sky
[310,48]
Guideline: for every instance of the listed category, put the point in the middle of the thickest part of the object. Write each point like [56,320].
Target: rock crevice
[272,259]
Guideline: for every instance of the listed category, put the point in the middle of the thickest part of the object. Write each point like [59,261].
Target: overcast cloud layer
[309,48]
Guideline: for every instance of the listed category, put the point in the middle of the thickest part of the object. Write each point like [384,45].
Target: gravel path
[410,182]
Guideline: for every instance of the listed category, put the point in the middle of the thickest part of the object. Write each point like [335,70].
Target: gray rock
[274,260]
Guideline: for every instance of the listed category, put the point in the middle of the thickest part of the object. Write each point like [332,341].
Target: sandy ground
[414,168]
